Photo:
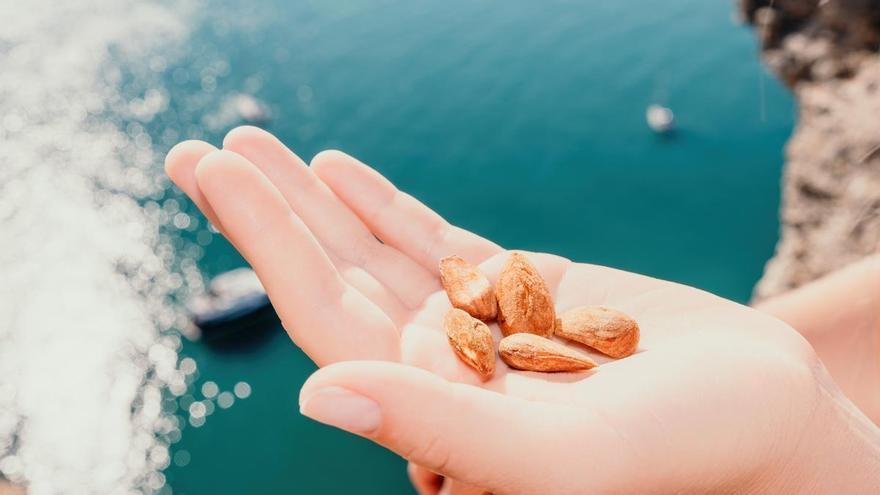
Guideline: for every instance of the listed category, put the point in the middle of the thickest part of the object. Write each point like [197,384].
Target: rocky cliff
[826,51]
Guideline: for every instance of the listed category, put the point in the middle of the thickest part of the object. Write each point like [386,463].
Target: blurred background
[523,121]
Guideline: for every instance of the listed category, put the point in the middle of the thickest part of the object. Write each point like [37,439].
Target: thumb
[483,438]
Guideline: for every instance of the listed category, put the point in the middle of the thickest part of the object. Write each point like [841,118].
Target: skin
[720,398]
[840,316]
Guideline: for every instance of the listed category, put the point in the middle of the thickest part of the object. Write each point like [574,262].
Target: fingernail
[342,408]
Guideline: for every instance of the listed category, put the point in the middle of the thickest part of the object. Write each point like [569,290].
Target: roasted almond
[472,341]
[607,330]
[526,351]
[524,301]
[467,288]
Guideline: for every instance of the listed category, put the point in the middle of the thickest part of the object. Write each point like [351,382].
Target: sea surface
[522,121]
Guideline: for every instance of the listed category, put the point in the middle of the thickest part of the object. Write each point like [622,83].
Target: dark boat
[235,301]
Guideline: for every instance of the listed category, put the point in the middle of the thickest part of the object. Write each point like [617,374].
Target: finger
[380,294]
[454,487]
[425,482]
[325,316]
[338,229]
[180,165]
[481,438]
[396,217]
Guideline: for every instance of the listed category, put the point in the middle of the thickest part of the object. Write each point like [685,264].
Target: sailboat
[659,118]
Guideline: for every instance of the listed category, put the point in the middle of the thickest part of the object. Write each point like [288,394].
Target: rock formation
[826,51]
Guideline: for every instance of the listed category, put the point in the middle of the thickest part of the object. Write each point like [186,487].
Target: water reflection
[89,345]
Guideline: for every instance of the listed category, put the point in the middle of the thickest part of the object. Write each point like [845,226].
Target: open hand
[719,397]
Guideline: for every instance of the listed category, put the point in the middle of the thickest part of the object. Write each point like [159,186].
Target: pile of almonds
[522,304]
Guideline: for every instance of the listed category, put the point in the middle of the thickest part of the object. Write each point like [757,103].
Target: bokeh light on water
[92,388]
[242,390]
[209,389]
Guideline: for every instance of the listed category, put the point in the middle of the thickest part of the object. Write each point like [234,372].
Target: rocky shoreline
[826,51]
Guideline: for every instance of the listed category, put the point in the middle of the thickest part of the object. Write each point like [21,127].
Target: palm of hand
[310,232]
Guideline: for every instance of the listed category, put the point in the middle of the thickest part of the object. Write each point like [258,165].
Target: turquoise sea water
[523,121]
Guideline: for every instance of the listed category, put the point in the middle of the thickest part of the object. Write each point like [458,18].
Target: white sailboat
[659,118]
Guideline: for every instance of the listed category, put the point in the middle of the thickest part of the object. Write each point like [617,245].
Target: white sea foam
[85,348]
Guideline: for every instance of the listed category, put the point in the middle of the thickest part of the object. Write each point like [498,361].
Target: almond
[467,288]
[525,351]
[524,301]
[472,341]
[607,330]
